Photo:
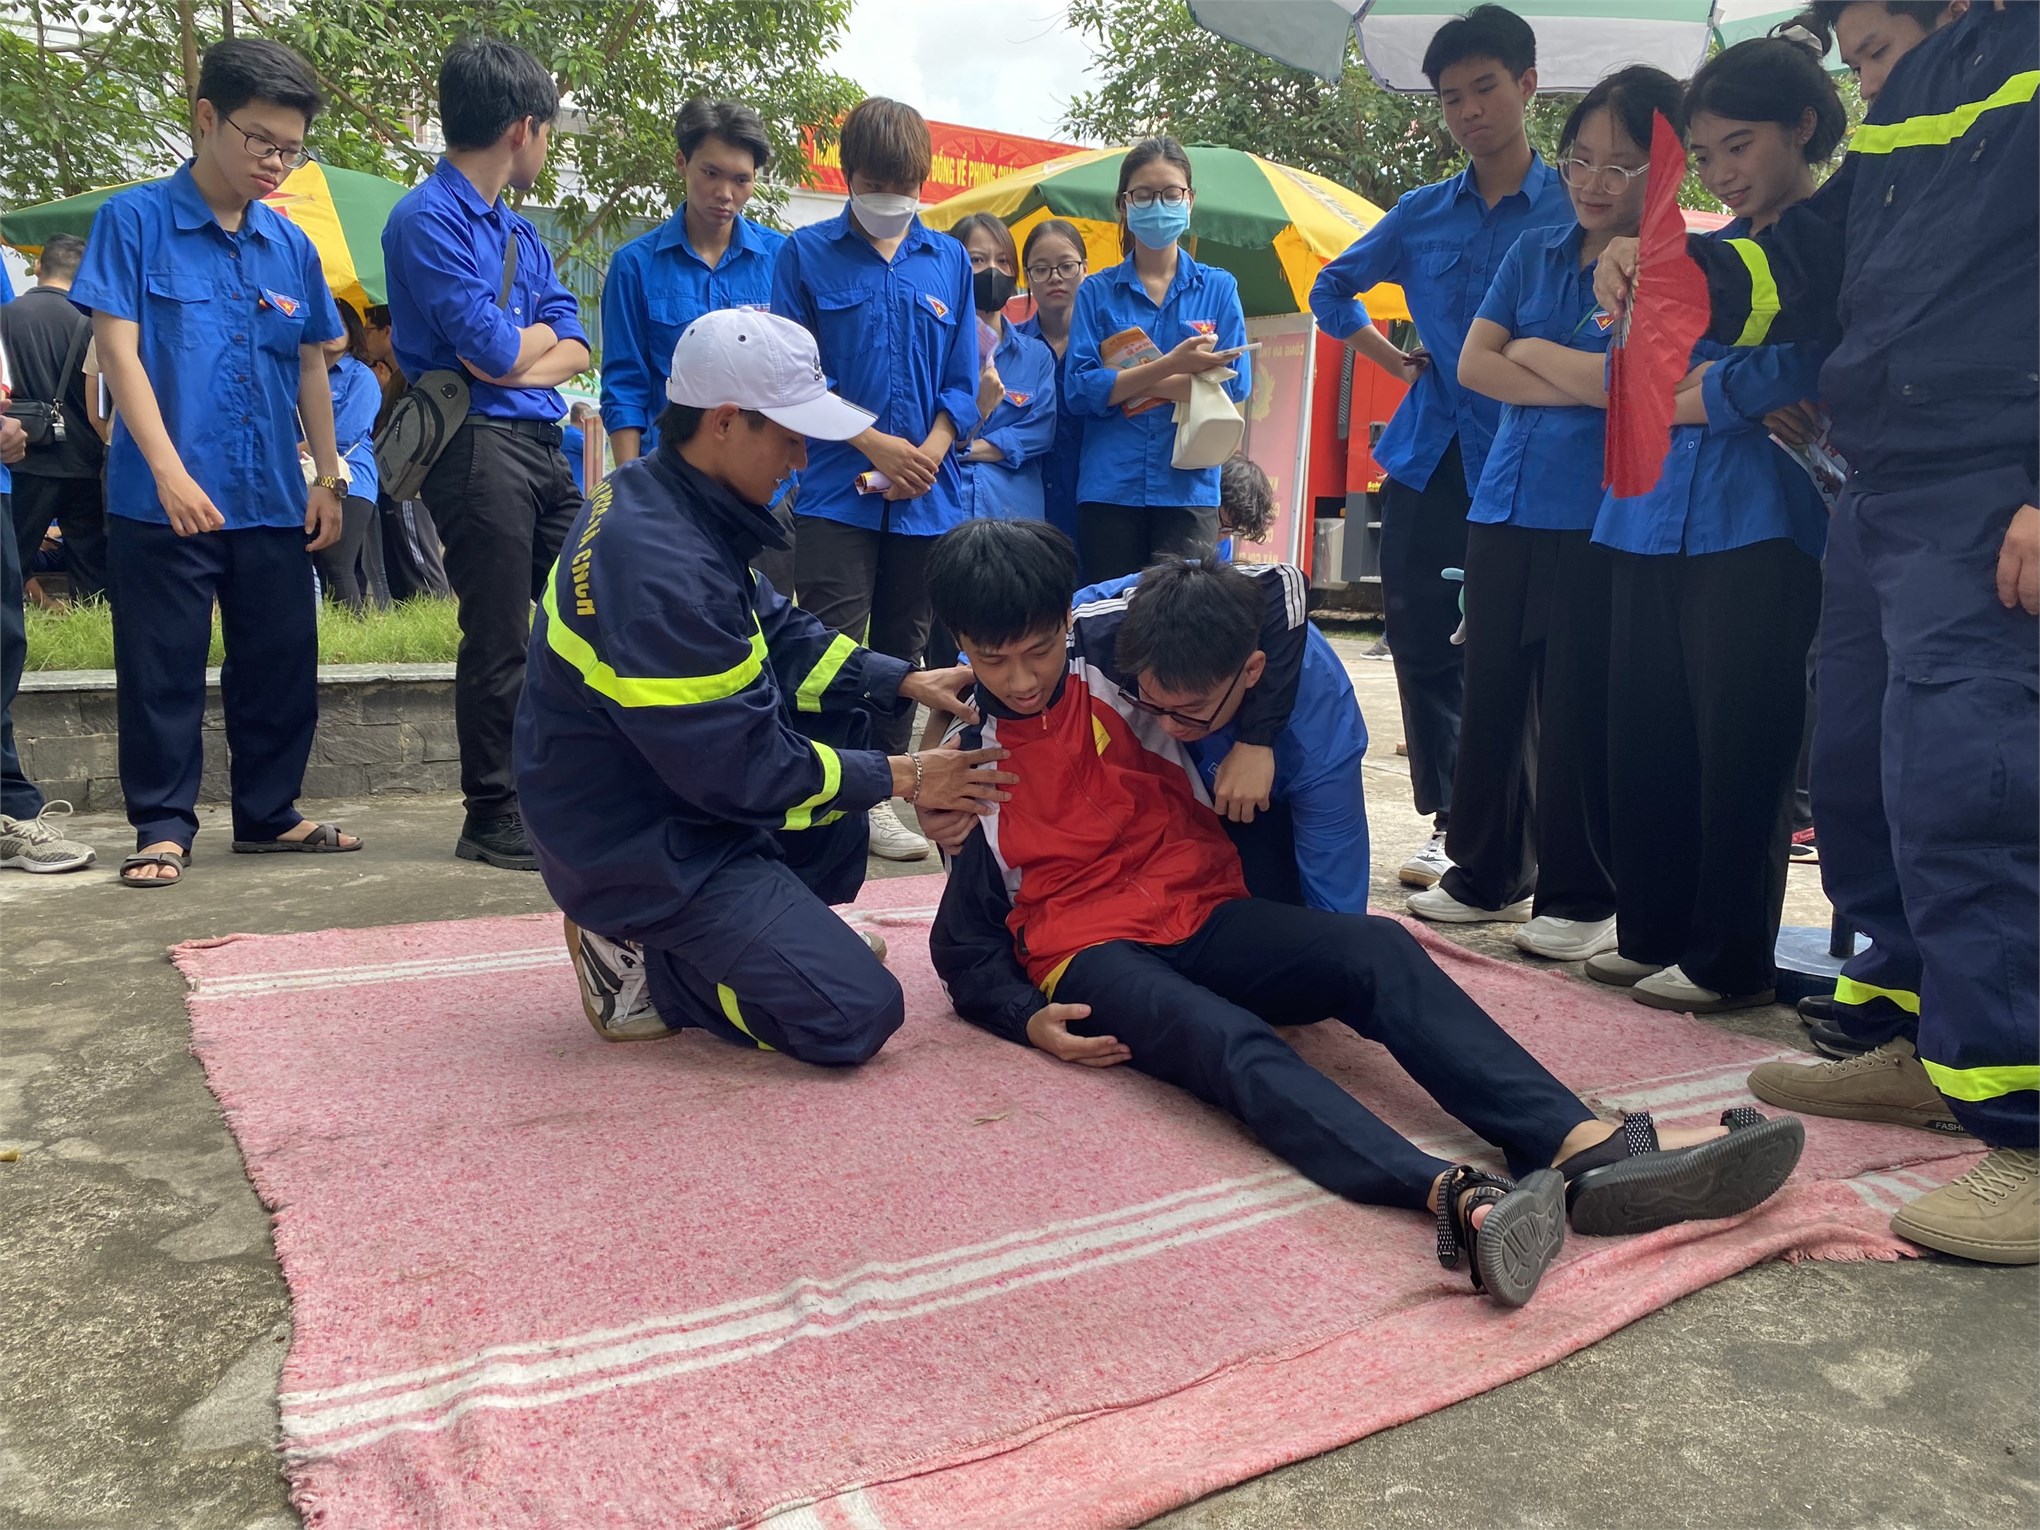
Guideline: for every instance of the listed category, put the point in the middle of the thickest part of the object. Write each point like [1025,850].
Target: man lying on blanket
[1101,916]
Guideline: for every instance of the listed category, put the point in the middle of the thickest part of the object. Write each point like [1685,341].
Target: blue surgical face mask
[1159,224]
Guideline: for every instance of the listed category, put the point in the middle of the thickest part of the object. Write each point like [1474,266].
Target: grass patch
[421,631]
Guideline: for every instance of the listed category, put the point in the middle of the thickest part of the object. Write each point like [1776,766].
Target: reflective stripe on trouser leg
[1962,787]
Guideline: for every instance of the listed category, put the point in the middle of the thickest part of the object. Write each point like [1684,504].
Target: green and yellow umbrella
[341,211]
[1273,226]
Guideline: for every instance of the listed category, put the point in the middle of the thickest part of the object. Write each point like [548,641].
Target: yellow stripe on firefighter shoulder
[644,691]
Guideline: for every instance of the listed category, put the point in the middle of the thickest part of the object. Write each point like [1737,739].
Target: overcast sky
[1011,65]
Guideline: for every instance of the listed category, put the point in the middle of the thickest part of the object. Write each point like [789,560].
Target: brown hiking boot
[1992,1213]
[1886,1084]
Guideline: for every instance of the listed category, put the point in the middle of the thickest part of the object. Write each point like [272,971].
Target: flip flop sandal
[1518,1238]
[178,858]
[1629,1184]
[323,840]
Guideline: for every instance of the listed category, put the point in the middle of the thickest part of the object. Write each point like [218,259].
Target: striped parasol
[341,211]
[1272,226]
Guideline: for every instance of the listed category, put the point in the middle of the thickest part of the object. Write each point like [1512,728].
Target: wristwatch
[331,481]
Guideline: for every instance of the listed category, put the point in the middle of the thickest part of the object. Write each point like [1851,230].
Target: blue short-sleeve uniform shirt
[1126,456]
[1442,244]
[1544,469]
[443,251]
[658,285]
[221,318]
[896,337]
[1059,467]
[1022,426]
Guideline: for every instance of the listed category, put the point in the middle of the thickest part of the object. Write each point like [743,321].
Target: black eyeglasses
[1062,272]
[1147,196]
[1142,704]
[260,148]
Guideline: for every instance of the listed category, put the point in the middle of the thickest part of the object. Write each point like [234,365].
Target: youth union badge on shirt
[287,306]
[940,308]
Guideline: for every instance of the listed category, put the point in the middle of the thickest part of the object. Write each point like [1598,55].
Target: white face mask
[883,215]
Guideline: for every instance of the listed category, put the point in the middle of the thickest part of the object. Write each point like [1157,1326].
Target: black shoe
[1628,1184]
[496,842]
[1819,1014]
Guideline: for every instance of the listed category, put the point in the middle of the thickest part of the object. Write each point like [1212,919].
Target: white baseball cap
[760,361]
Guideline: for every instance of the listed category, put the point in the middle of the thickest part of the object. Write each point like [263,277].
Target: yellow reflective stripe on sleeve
[809,697]
[803,815]
[1983,1083]
[735,1016]
[637,691]
[1849,991]
[1763,291]
[1940,128]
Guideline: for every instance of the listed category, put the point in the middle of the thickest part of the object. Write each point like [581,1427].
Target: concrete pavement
[145,1321]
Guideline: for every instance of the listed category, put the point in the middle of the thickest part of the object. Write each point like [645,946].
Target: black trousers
[352,568]
[1707,696]
[1201,1015]
[78,506]
[1531,788]
[502,502]
[1423,532]
[412,562]
[872,587]
[1116,540]
[163,587]
[19,796]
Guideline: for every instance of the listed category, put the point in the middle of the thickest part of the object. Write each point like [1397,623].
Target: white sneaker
[1425,867]
[1566,940]
[1440,907]
[892,840]
[615,990]
[1672,989]
[40,843]
[1618,971]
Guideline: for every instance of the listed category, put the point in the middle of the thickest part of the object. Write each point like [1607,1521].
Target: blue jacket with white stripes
[668,700]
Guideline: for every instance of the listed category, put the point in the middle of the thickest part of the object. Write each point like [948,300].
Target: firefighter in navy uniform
[1919,260]
[690,747]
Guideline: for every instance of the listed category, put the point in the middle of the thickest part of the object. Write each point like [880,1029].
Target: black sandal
[1518,1238]
[1629,1184]
[323,840]
[180,859]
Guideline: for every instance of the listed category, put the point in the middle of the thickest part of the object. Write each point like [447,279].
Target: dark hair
[1486,31]
[988,223]
[244,69]
[1060,228]
[731,121]
[1634,96]
[885,140]
[1769,79]
[357,338]
[62,254]
[995,582]
[1820,17]
[679,423]
[486,86]
[379,315]
[1191,625]
[1246,499]
[1138,158]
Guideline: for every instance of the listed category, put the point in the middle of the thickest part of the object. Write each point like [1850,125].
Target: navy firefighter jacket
[1918,260]
[656,737]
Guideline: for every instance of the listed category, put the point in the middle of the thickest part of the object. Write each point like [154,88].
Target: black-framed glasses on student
[260,148]
[1154,709]
[1062,271]
[1147,196]
[1613,179]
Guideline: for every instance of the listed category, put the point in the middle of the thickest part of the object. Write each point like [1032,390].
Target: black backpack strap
[74,361]
[509,269]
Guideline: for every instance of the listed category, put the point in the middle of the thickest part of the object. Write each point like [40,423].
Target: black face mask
[994,289]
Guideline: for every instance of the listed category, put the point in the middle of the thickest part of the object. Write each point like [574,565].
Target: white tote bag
[1209,425]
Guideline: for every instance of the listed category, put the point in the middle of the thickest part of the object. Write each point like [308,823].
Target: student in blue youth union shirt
[889,303]
[209,312]
[1536,586]
[501,492]
[1002,458]
[1132,505]
[1053,259]
[1716,594]
[1442,245]
[708,255]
